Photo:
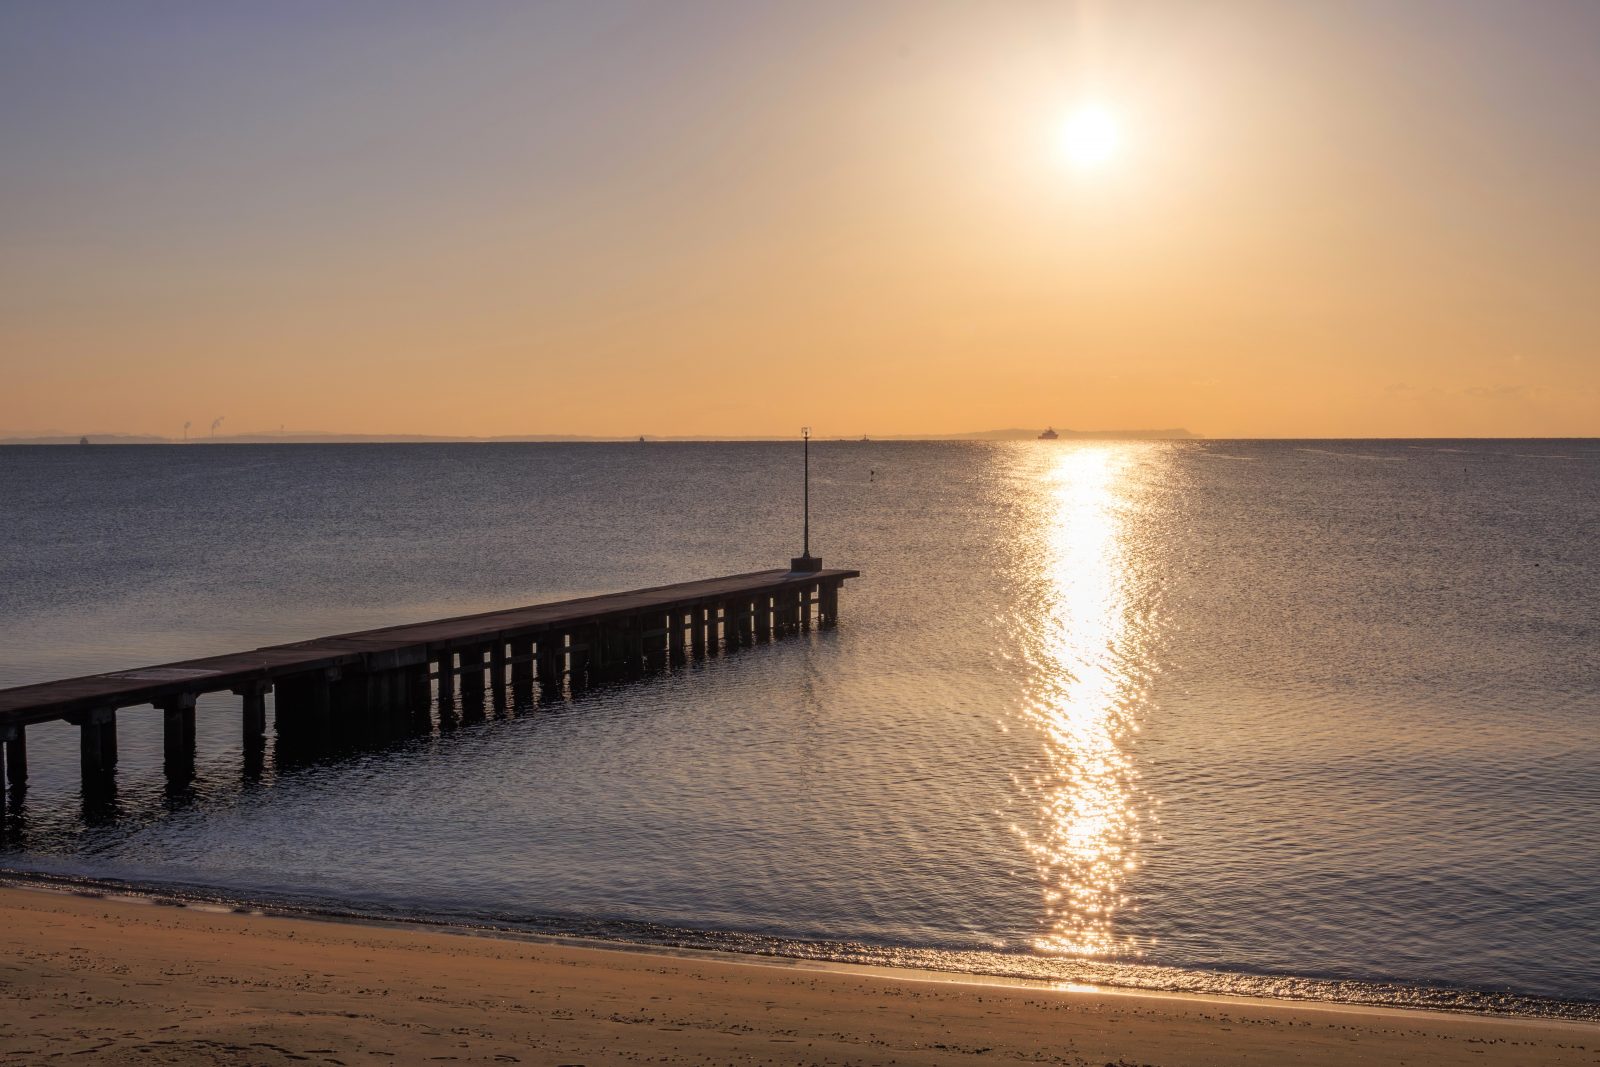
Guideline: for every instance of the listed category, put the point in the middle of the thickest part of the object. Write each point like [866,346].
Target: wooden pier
[380,685]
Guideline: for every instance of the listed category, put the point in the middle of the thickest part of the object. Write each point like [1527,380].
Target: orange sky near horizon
[1321,220]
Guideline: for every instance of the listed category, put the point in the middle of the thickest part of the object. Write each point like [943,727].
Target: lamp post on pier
[806,562]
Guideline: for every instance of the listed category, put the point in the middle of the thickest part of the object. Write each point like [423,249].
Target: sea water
[1304,718]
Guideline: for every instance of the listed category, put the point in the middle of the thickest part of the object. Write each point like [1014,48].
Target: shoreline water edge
[174,985]
[910,962]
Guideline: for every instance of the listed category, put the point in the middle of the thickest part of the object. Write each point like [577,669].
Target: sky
[480,218]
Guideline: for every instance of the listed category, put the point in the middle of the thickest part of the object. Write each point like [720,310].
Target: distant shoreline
[317,438]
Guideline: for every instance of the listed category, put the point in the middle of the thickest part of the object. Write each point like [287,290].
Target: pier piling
[15,740]
[549,662]
[447,677]
[254,696]
[700,627]
[97,744]
[522,671]
[471,681]
[763,621]
[497,674]
[828,605]
[177,734]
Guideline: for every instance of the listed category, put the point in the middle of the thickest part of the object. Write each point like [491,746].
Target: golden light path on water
[1085,684]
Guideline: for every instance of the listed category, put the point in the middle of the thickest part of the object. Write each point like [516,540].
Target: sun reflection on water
[1086,679]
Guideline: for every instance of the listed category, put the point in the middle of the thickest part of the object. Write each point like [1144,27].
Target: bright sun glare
[1090,136]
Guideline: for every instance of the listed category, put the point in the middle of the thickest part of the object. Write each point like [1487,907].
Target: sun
[1090,136]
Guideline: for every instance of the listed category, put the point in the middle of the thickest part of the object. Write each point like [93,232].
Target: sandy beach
[114,981]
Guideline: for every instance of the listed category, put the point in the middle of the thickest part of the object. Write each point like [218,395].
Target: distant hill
[1076,435]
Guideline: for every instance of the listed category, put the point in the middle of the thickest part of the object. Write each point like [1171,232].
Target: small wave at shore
[1054,971]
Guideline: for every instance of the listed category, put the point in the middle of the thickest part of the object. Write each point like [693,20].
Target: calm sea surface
[1300,718]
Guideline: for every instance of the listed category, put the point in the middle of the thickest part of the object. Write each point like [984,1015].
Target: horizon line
[989,436]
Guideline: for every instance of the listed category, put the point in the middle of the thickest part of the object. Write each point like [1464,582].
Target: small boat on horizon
[1049,434]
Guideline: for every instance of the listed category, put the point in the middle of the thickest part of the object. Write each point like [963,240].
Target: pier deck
[380,681]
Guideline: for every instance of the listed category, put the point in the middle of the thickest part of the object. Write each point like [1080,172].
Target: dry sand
[111,981]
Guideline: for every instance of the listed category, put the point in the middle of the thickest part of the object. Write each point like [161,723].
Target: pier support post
[676,634]
[700,629]
[763,609]
[447,678]
[550,663]
[583,646]
[304,713]
[397,713]
[624,643]
[349,702]
[177,735]
[292,694]
[17,758]
[613,645]
[363,705]
[602,652]
[472,683]
[828,605]
[419,697]
[97,745]
[322,694]
[16,745]
[633,646]
[386,700]
[497,673]
[411,691]
[254,726]
[705,634]
[572,661]
[255,714]
[653,640]
[522,671]
[610,653]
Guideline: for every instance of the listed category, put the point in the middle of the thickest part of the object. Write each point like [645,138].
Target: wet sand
[109,981]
